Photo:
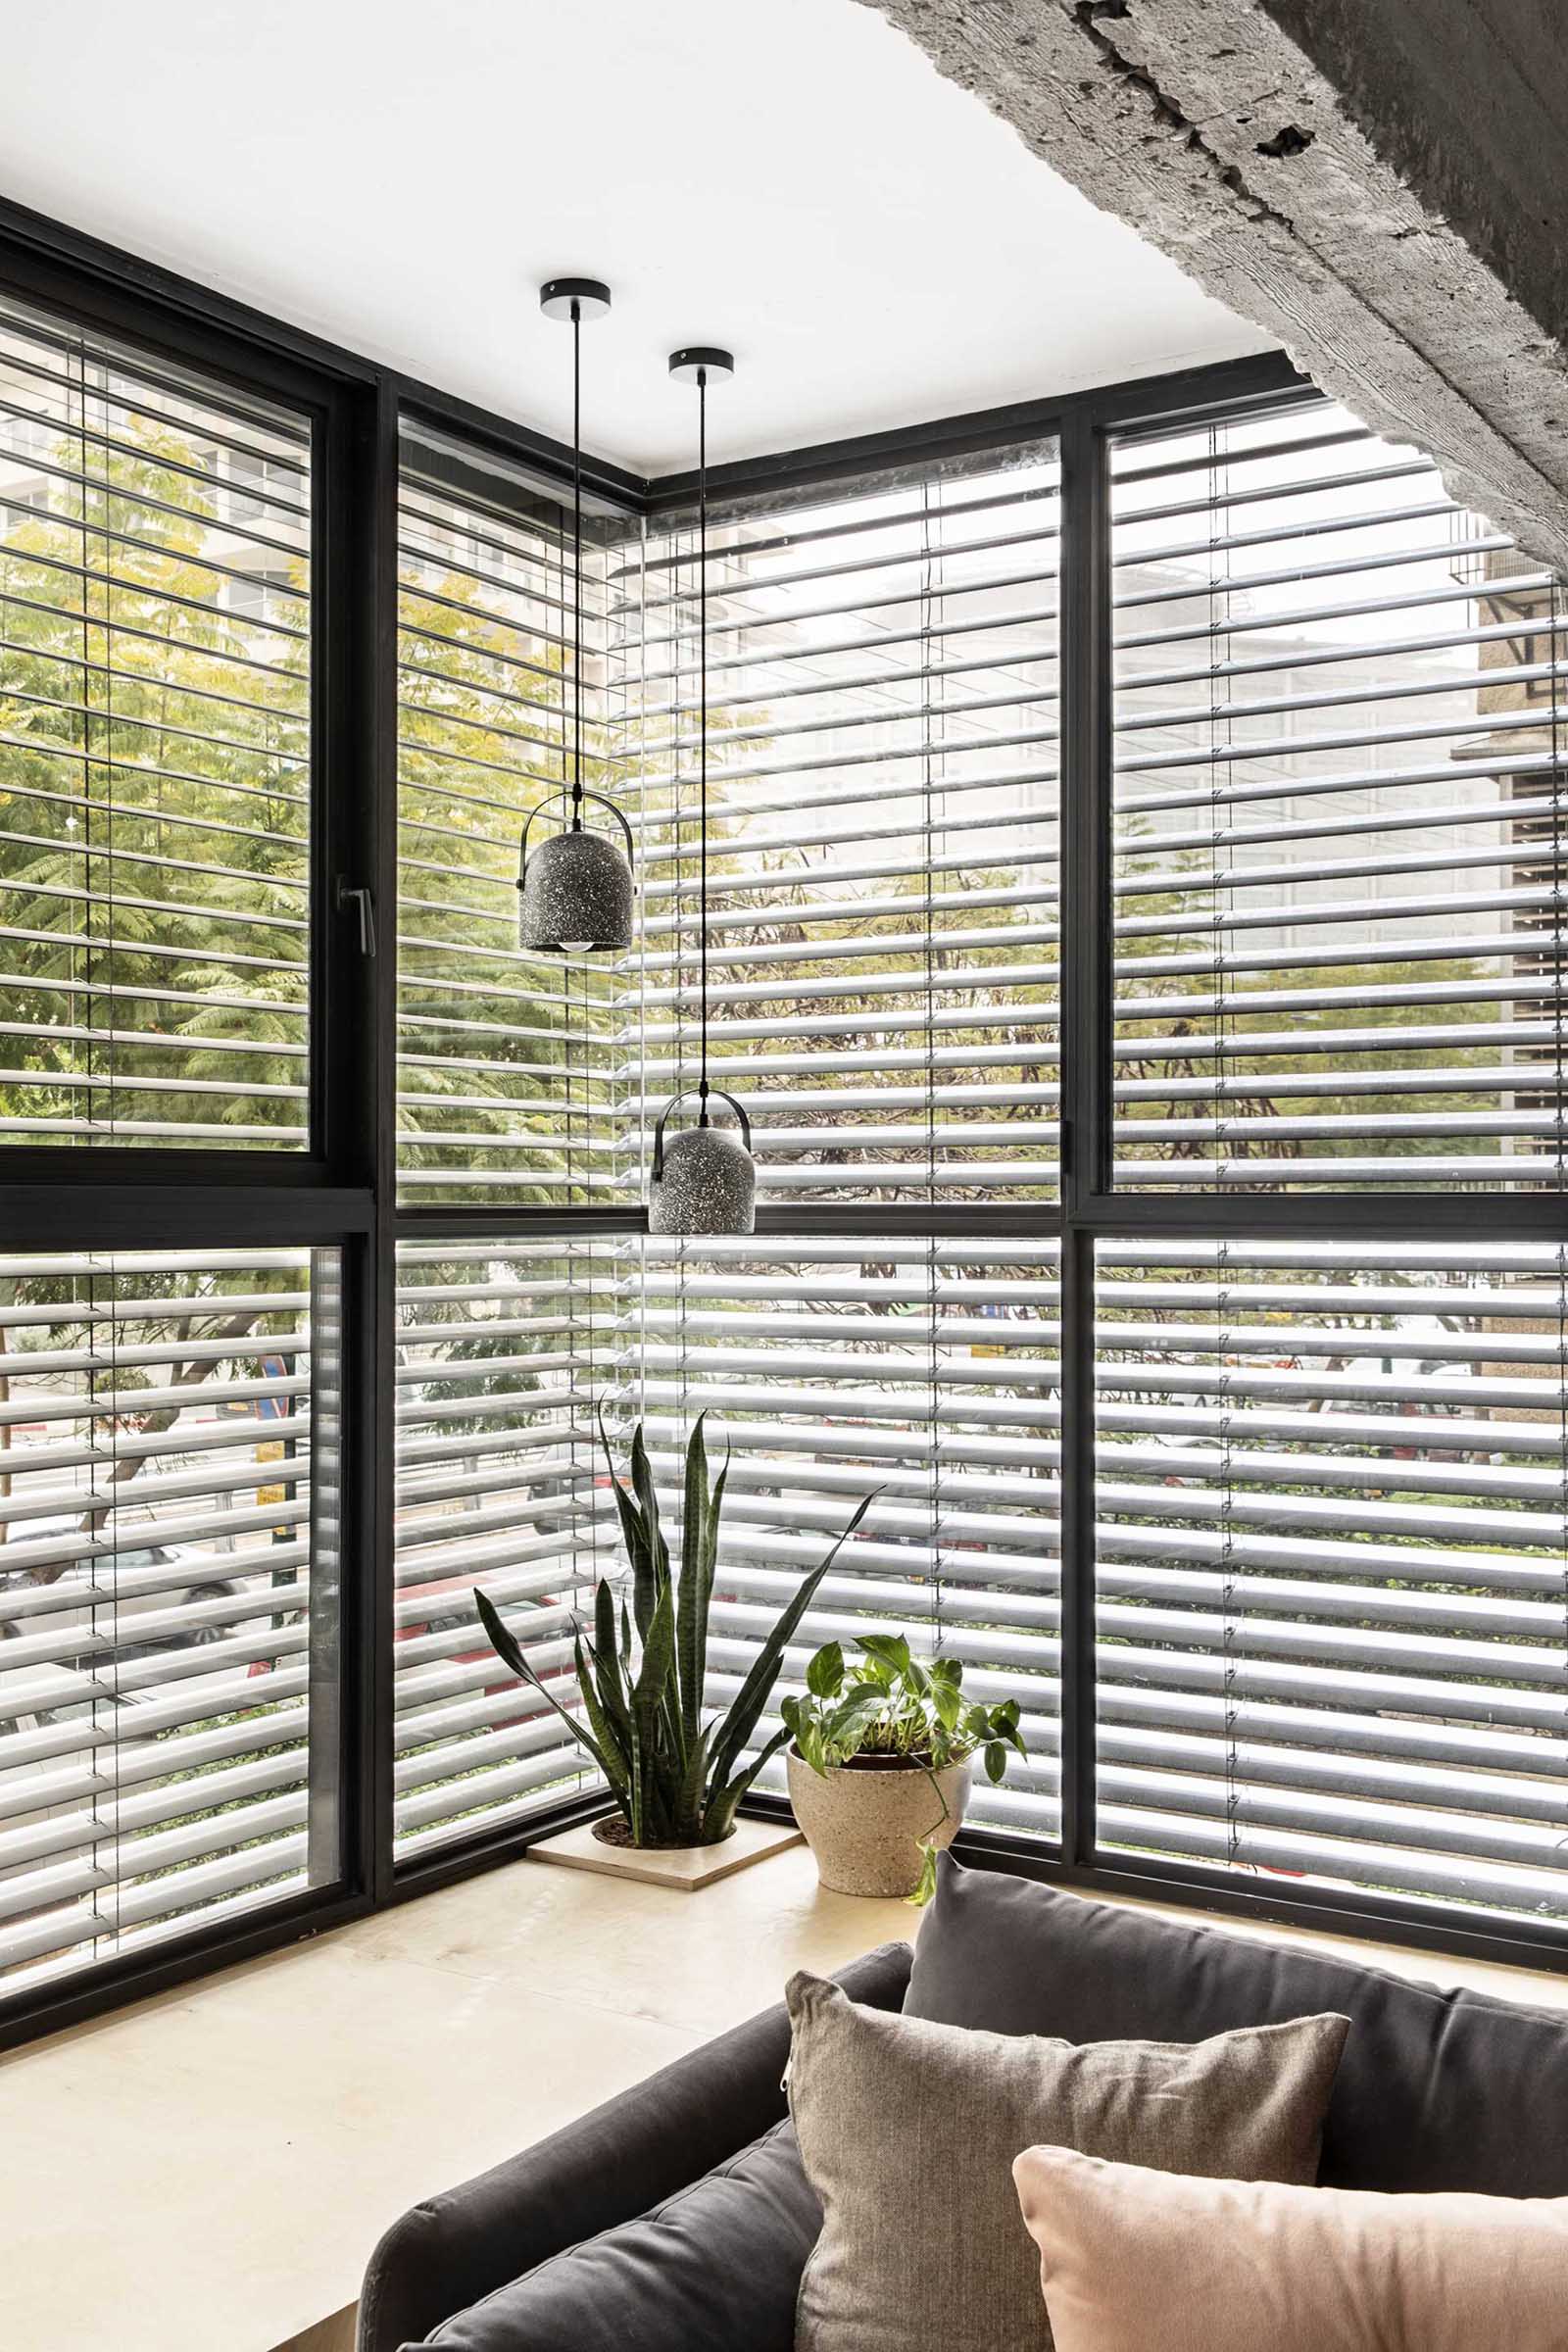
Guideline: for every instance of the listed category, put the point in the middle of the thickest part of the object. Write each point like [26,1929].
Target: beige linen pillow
[907,2131]
[1130,2259]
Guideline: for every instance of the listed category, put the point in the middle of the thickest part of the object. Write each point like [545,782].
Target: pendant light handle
[712,1092]
[543,809]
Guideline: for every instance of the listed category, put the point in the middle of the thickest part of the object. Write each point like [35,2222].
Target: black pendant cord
[701,728]
[577,565]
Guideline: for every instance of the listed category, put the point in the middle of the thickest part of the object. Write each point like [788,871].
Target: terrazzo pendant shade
[576,889]
[574,892]
[703,1180]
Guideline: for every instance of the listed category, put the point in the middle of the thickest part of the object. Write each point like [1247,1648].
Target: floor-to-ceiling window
[884,934]
[1317,1583]
[1136,934]
[1284,1456]
[170,1380]
[514,1073]
[1332,1568]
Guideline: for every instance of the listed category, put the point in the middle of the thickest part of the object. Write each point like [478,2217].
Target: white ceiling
[789,177]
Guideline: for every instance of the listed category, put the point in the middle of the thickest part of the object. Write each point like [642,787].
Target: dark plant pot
[865,1823]
[612,1830]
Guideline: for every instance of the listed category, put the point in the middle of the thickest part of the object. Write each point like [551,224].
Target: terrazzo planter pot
[864,1822]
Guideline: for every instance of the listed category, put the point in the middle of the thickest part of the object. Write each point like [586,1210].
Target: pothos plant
[676,1775]
[890,1708]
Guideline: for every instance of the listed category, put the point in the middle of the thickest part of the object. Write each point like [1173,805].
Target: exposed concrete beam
[1382,185]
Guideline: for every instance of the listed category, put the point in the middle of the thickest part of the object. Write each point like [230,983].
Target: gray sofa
[677,2218]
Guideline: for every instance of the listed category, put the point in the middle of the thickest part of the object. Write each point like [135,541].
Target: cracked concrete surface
[1380,184]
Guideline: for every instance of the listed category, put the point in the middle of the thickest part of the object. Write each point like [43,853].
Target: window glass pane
[509,1063]
[1340,821]
[169,1595]
[1333,1584]
[503,1348]
[926,1370]
[883,871]
[155,752]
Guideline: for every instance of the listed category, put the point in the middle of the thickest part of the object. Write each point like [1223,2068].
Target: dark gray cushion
[712,2269]
[1436,2091]
[632,2153]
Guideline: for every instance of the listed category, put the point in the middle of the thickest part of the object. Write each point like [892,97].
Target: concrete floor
[208,2172]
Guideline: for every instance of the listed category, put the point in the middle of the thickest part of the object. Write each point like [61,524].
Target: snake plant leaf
[610,1686]
[706,1566]
[646,1586]
[690,1821]
[500,1641]
[618,1709]
[635,1810]
[721,1813]
[675,1778]
[603,1621]
[649,1692]
[635,1535]
[691,1615]
[613,1749]
[742,1719]
[506,1651]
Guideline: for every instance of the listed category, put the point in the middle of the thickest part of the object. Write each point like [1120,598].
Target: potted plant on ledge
[677,1778]
[879,1769]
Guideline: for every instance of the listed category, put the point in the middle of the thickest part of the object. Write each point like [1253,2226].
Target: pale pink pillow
[1137,2261]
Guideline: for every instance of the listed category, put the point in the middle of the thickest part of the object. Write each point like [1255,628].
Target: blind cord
[933,1248]
[1223,915]
[1554,644]
[577,565]
[702,732]
[1557,907]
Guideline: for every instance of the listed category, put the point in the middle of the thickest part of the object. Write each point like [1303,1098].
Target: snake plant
[676,1775]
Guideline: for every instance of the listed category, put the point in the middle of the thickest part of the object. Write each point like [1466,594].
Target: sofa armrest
[604,2169]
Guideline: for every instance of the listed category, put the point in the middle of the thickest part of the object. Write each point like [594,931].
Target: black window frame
[342,1191]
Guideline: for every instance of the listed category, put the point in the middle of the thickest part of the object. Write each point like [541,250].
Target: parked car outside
[64,1615]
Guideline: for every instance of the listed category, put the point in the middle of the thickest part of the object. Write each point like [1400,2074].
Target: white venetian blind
[169,1579]
[926,1370]
[884,749]
[929,1370]
[506,1061]
[1333,1582]
[504,1349]
[1341,736]
[155,751]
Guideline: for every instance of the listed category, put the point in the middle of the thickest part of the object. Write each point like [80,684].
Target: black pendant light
[704,1181]
[576,891]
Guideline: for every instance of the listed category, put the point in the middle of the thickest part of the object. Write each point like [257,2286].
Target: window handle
[350,895]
